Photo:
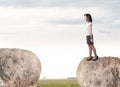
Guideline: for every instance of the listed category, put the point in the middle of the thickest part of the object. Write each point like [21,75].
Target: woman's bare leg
[94,50]
[90,53]
[90,50]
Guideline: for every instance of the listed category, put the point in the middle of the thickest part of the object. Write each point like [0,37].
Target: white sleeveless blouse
[88,28]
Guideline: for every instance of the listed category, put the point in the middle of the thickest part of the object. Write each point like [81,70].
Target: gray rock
[19,68]
[105,72]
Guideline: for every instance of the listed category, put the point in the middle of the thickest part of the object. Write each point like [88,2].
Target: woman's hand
[91,40]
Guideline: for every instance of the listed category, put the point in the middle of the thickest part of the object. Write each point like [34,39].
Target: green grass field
[59,83]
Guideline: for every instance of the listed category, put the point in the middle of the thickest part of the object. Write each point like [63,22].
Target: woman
[89,38]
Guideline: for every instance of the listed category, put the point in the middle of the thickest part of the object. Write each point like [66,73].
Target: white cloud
[59,3]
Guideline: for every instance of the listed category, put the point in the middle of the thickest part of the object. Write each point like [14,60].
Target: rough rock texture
[105,72]
[19,68]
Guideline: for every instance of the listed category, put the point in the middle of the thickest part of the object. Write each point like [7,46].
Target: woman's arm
[91,35]
[90,27]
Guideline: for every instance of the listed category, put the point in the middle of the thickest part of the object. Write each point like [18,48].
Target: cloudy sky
[55,31]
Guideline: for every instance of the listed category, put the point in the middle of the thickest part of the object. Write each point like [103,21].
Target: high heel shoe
[94,59]
[89,58]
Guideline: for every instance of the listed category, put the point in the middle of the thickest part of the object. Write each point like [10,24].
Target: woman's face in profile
[86,18]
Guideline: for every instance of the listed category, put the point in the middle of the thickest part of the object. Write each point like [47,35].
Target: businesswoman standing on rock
[89,38]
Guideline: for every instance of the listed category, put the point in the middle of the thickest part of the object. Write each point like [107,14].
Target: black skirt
[88,38]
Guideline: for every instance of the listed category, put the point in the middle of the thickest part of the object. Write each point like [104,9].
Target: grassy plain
[59,83]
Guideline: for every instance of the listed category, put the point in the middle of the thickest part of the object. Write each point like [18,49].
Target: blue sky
[55,31]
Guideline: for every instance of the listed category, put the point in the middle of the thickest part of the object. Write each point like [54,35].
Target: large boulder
[19,68]
[105,72]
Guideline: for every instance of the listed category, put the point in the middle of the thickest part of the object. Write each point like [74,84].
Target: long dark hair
[89,17]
